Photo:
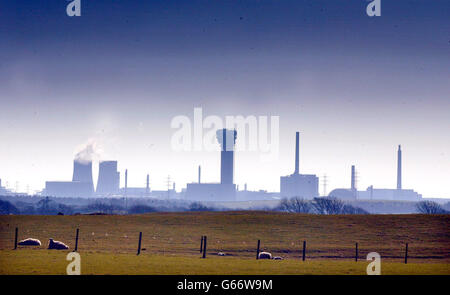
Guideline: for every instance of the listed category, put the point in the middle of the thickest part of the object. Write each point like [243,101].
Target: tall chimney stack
[227,140]
[353,179]
[147,188]
[126,180]
[399,168]
[199,173]
[297,135]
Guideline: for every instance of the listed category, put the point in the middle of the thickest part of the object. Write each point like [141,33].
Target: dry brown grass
[236,233]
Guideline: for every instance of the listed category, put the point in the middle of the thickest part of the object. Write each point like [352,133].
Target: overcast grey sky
[354,86]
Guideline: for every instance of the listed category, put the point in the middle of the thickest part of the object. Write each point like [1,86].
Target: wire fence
[138,243]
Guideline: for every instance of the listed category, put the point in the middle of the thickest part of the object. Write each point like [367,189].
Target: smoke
[88,152]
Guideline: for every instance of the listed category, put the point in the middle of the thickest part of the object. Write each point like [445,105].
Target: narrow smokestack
[199,173]
[353,179]
[126,180]
[147,188]
[399,168]
[297,135]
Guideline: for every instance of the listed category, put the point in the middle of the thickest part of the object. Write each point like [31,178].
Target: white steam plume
[88,152]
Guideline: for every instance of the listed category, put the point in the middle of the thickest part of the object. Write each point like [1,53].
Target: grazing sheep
[29,242]
[57,245]
[278,258]
[265,255]
[221,254]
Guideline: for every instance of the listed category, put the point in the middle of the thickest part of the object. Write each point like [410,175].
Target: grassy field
[54,262]
[171,243]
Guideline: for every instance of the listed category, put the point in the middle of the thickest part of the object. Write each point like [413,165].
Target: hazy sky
[354,86]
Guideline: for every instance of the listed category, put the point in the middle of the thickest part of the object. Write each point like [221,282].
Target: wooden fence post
[201,244]
[304,251]
[204,246]
[406,254]
[356,253]
[139,245]
[257,250]
[76,241]
[15,238]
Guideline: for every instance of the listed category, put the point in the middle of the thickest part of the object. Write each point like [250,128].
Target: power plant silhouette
[81,184]
[108,178]
[378,194]
[226,189]
[304,186]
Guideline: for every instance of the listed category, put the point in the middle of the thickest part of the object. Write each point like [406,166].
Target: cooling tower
[227,140]
[82,172]
[108,178]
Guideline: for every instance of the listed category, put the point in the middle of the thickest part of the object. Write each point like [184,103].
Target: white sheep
[278,258]
[265,255]
[57,245]
[29,242]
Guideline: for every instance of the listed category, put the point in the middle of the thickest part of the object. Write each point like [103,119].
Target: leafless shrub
[429,207]
[295,205]
[327,206]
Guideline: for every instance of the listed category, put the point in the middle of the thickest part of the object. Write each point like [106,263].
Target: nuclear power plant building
[226,189]
[305,186]
[397,194]
[80,186]
[70,189]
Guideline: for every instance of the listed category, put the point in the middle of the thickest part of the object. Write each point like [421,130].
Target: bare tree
[429,207]
[295,205]
[327,205]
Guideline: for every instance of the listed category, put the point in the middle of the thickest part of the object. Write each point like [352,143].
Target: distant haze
[106,85]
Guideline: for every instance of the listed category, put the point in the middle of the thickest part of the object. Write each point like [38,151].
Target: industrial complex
[371,193]
[226,189]
[299,185]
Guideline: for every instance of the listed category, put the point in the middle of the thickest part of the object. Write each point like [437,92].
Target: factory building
[246,195]
[304,186]
[81,185]
[3,190]
[70,189]
[226,189]
[389,194]
[398,194]
[108,178]
[345,193]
